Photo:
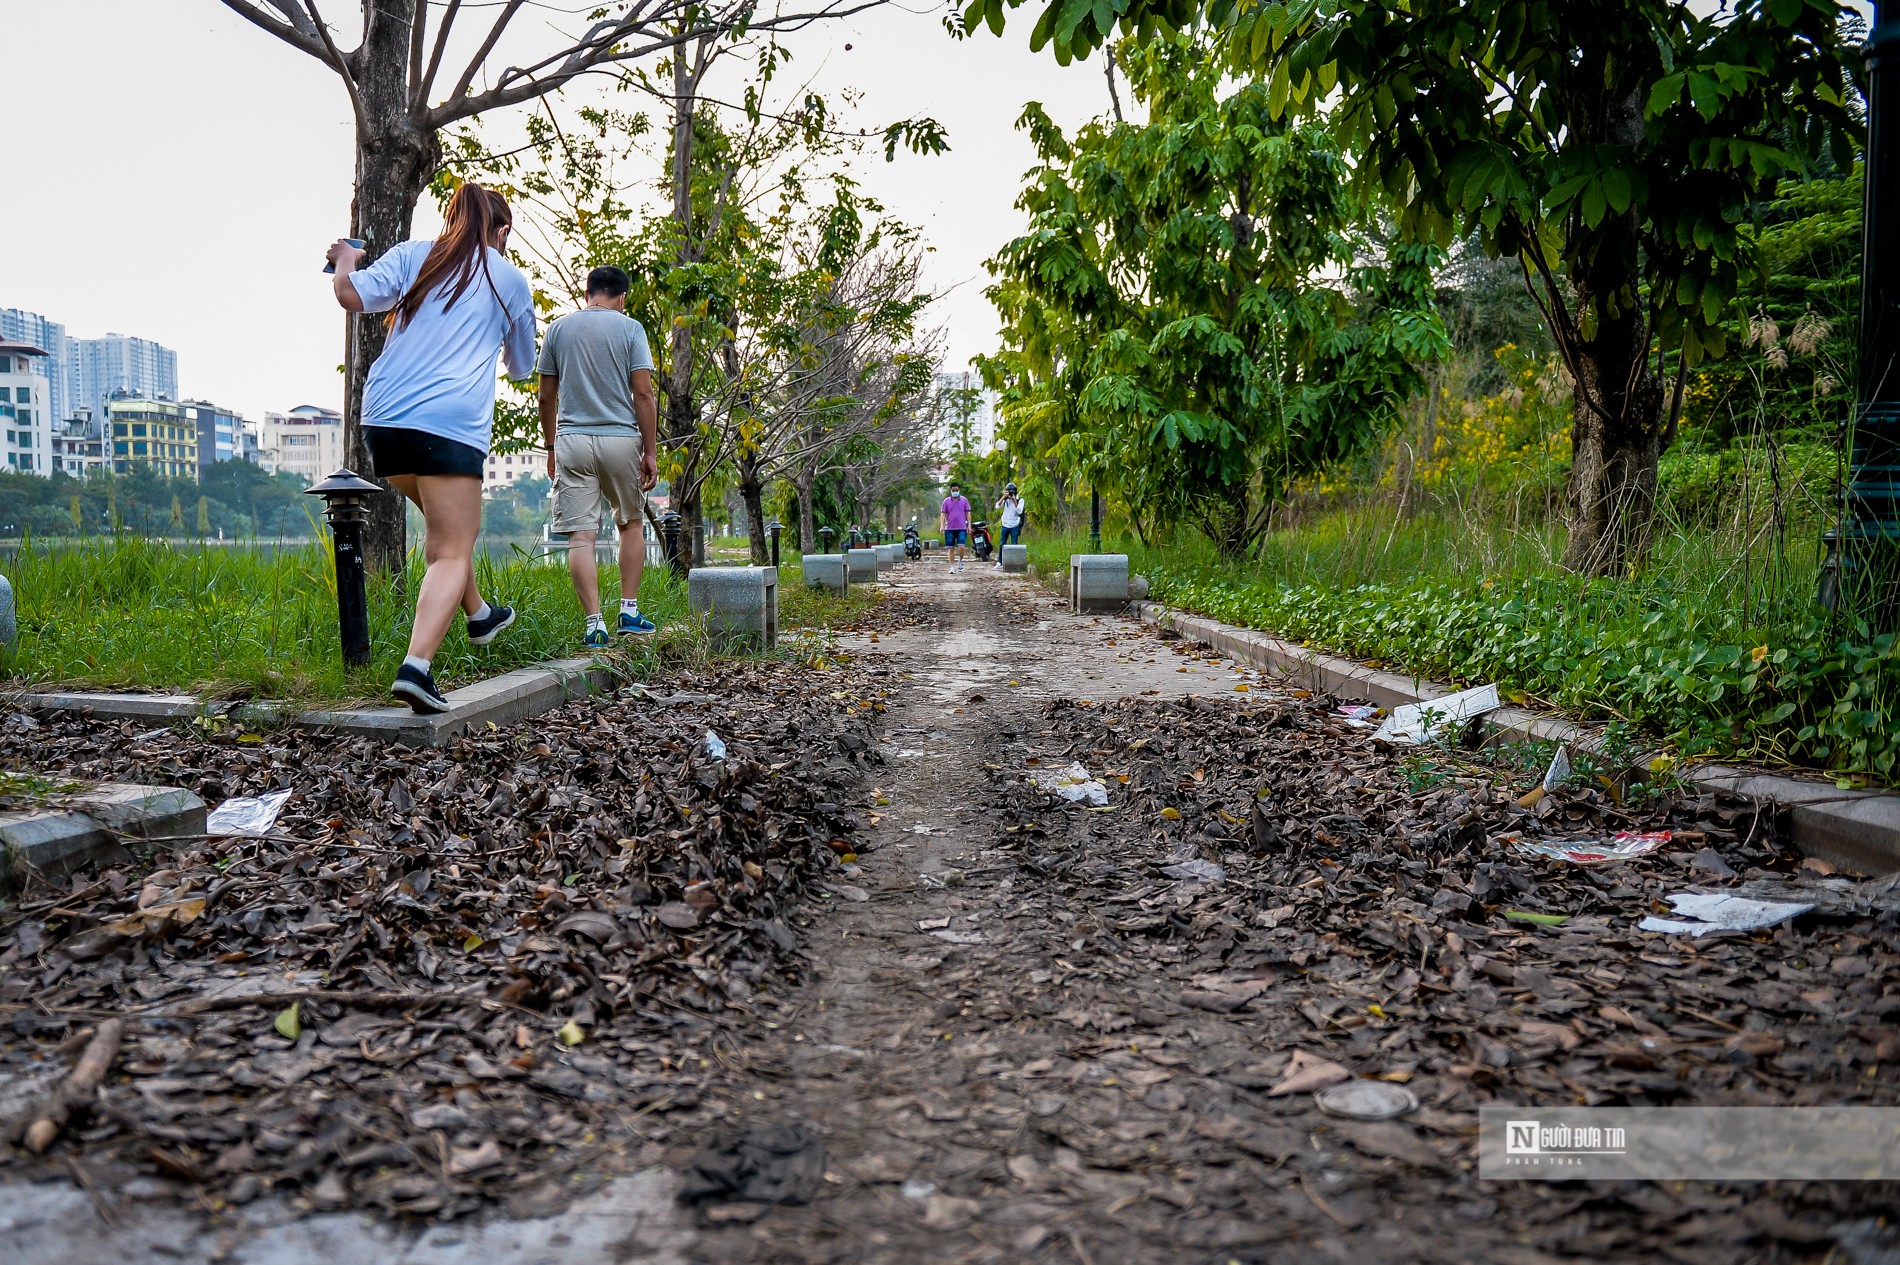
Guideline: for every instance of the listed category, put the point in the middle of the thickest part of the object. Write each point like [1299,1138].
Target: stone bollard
[1015,559]
[888,556]
[860,565]
[826,571]
[740,605]
[9,618]
[1098,582]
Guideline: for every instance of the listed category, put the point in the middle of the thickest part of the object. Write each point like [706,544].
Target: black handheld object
[354,241]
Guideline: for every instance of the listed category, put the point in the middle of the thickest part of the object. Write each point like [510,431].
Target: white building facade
[85,372]
[965,389]
[25,413]
[20,326]
[306,441]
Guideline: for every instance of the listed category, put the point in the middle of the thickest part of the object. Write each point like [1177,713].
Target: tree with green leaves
[1197,315]
[1611,147]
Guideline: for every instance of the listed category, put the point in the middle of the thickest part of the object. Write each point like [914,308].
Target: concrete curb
[500,700]
[1857,830]
[87,827]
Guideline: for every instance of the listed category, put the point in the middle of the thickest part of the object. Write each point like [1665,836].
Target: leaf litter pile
[447,977]
[1273,905]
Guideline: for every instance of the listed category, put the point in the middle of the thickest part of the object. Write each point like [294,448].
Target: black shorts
[400,450]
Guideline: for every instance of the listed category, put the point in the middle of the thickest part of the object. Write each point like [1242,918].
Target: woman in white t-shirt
[429,402]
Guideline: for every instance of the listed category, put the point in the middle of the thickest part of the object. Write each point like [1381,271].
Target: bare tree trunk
[1620,428]
[752,493]
[395,160]
[807,511]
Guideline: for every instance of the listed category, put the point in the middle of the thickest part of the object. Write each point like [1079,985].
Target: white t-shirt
[1012,511]
[437,371]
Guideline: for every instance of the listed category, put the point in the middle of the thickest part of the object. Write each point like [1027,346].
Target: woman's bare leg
[452,519]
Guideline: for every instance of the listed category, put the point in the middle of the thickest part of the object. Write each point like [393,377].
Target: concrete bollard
[860,565]
[1098,582]
[740,604]
[826,571]
[1015,559]
[888,556]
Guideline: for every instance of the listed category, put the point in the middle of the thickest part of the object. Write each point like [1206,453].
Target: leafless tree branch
[298,33]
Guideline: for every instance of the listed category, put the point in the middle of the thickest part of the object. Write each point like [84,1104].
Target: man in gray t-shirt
[600,422]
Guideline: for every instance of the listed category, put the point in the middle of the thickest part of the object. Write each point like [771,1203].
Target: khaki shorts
[590,468]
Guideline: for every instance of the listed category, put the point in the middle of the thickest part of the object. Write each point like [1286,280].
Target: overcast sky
[181,173]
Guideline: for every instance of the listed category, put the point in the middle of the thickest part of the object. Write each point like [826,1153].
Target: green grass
[146,615]
[1717,647]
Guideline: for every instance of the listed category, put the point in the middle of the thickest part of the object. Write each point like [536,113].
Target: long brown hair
[473,216]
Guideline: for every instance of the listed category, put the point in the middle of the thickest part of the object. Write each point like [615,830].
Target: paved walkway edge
[1858,830]
[91,826]
[499,700]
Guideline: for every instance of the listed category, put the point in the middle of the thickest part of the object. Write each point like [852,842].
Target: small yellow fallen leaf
[1241,688]
[289,1023]
[1172,814]
[1015,682]
[1376,1009]
[471,944]
[571,1034]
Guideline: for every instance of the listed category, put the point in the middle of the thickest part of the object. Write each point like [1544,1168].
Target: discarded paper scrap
[246,815]
[1622,846]
[1414,723]
[1704,912]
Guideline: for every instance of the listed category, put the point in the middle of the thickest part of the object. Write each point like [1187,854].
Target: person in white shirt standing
[600,422]
[1011,508]
[429,402]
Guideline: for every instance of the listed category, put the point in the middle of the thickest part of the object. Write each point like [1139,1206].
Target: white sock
[595,621]
[417,662]
[629,606]
[483,613]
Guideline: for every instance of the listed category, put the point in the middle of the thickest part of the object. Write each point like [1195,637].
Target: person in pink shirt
[956,525]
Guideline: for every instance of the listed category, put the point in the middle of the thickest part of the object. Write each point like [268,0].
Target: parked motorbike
[913,543]
[980,544]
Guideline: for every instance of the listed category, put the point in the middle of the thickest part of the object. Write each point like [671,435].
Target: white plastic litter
[1367,1100]
[1197,869]
[715,746]
[1718,911]
[1075,785]
[1559,771]
[1410,724]
[245,815]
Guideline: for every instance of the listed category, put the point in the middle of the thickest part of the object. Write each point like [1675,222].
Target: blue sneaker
[597,638]
[483,631]
[631,625]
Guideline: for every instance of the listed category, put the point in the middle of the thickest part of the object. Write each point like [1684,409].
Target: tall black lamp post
[775,527]
[346,509]
[1095,521]
[1862,572]
[827,534]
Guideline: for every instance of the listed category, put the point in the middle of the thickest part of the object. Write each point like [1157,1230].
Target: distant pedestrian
[429,402]
[600,423]
[956,525]
[1011,509]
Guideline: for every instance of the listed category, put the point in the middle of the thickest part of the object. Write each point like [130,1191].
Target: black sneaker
[417,688]
[483,631]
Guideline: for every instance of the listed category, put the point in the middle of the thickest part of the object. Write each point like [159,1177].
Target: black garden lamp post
[827,535]
[1862,571]
[1095,521]
[346,509]
[670,524]
[775,527]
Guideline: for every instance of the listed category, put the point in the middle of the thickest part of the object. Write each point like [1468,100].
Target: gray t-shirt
[592,352]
